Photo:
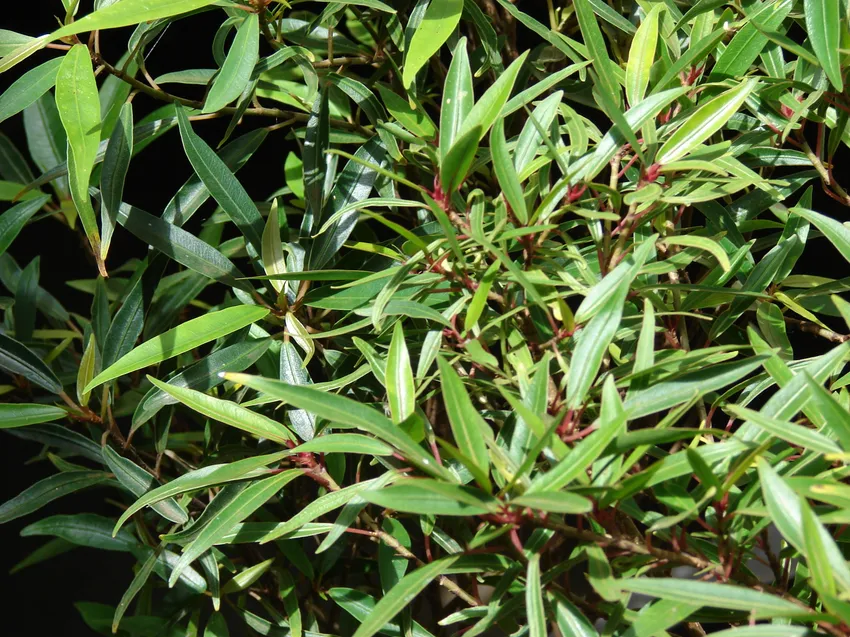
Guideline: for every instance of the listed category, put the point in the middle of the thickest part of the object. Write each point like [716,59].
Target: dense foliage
[513,346]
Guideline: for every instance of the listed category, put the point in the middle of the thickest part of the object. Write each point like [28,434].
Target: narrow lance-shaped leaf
[823,26]
[16,358]
[227,412]
[45,491]
[471,432]
[345,411]
[401,595]
[13,415]
[400,388]
[274,260]
[181,339]
[15,218]
[116,162]
[458,98]
[641,56]
[249,501]
[506,173]
[592,35]
[28,88]
[439,21]
[236,71]
[534,599]
[222,184]
[79,110]
[707,120]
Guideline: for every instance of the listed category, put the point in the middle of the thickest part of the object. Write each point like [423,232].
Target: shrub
[514,345]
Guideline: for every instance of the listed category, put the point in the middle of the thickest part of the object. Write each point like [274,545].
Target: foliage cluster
[519,334]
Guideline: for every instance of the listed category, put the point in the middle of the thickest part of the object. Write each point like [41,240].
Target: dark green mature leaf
[16,358]
[249,501]
[181,246]
[22,415]
[45,491]
[221,183]
[83,529]
[15,218]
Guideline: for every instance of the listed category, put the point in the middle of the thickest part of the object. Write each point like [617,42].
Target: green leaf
[274,260]
[761,605]
[28,88]
[818,559]
[487,109]
[62,438]
[506,174]
[704,122]
[116,163]
[236,71]
[400,388]
[440,20]
[14,415]
[222,184]
[534,130]
[15,218]
[458,99]
[344,411]
[16,358]
[83,529]
[360,606]
[534,599]
[138,482]
[208,476]
[471,432]
[248,501]
[597,50]
[139,580]
[185,248]
[749,42]
[416,120]
[823,27]
[228,412]
[401,595]
[556,502]
[424,496]
[641,56]
[458,160]
[788,431]
[667,394]
[837,233]
[45,491]
[245,578]
[611,423]
[570,620]
[79,110]
[182,338]
[86,371]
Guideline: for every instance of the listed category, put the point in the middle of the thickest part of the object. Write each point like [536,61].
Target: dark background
[51,588]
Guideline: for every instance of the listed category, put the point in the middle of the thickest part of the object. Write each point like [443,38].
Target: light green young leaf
[788,431]
[598,52]
[274,259]
[702,124]
[400,388]
[761,605]
[506,174]
[534,609]
[440,20]
[236,71]
[86,371]
[642,55]
[487,109]
[79,110]
[228,412]
[182,338]
[458,99]
[28,88]
[471,432]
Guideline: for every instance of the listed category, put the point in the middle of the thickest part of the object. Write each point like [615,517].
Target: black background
[41,598]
